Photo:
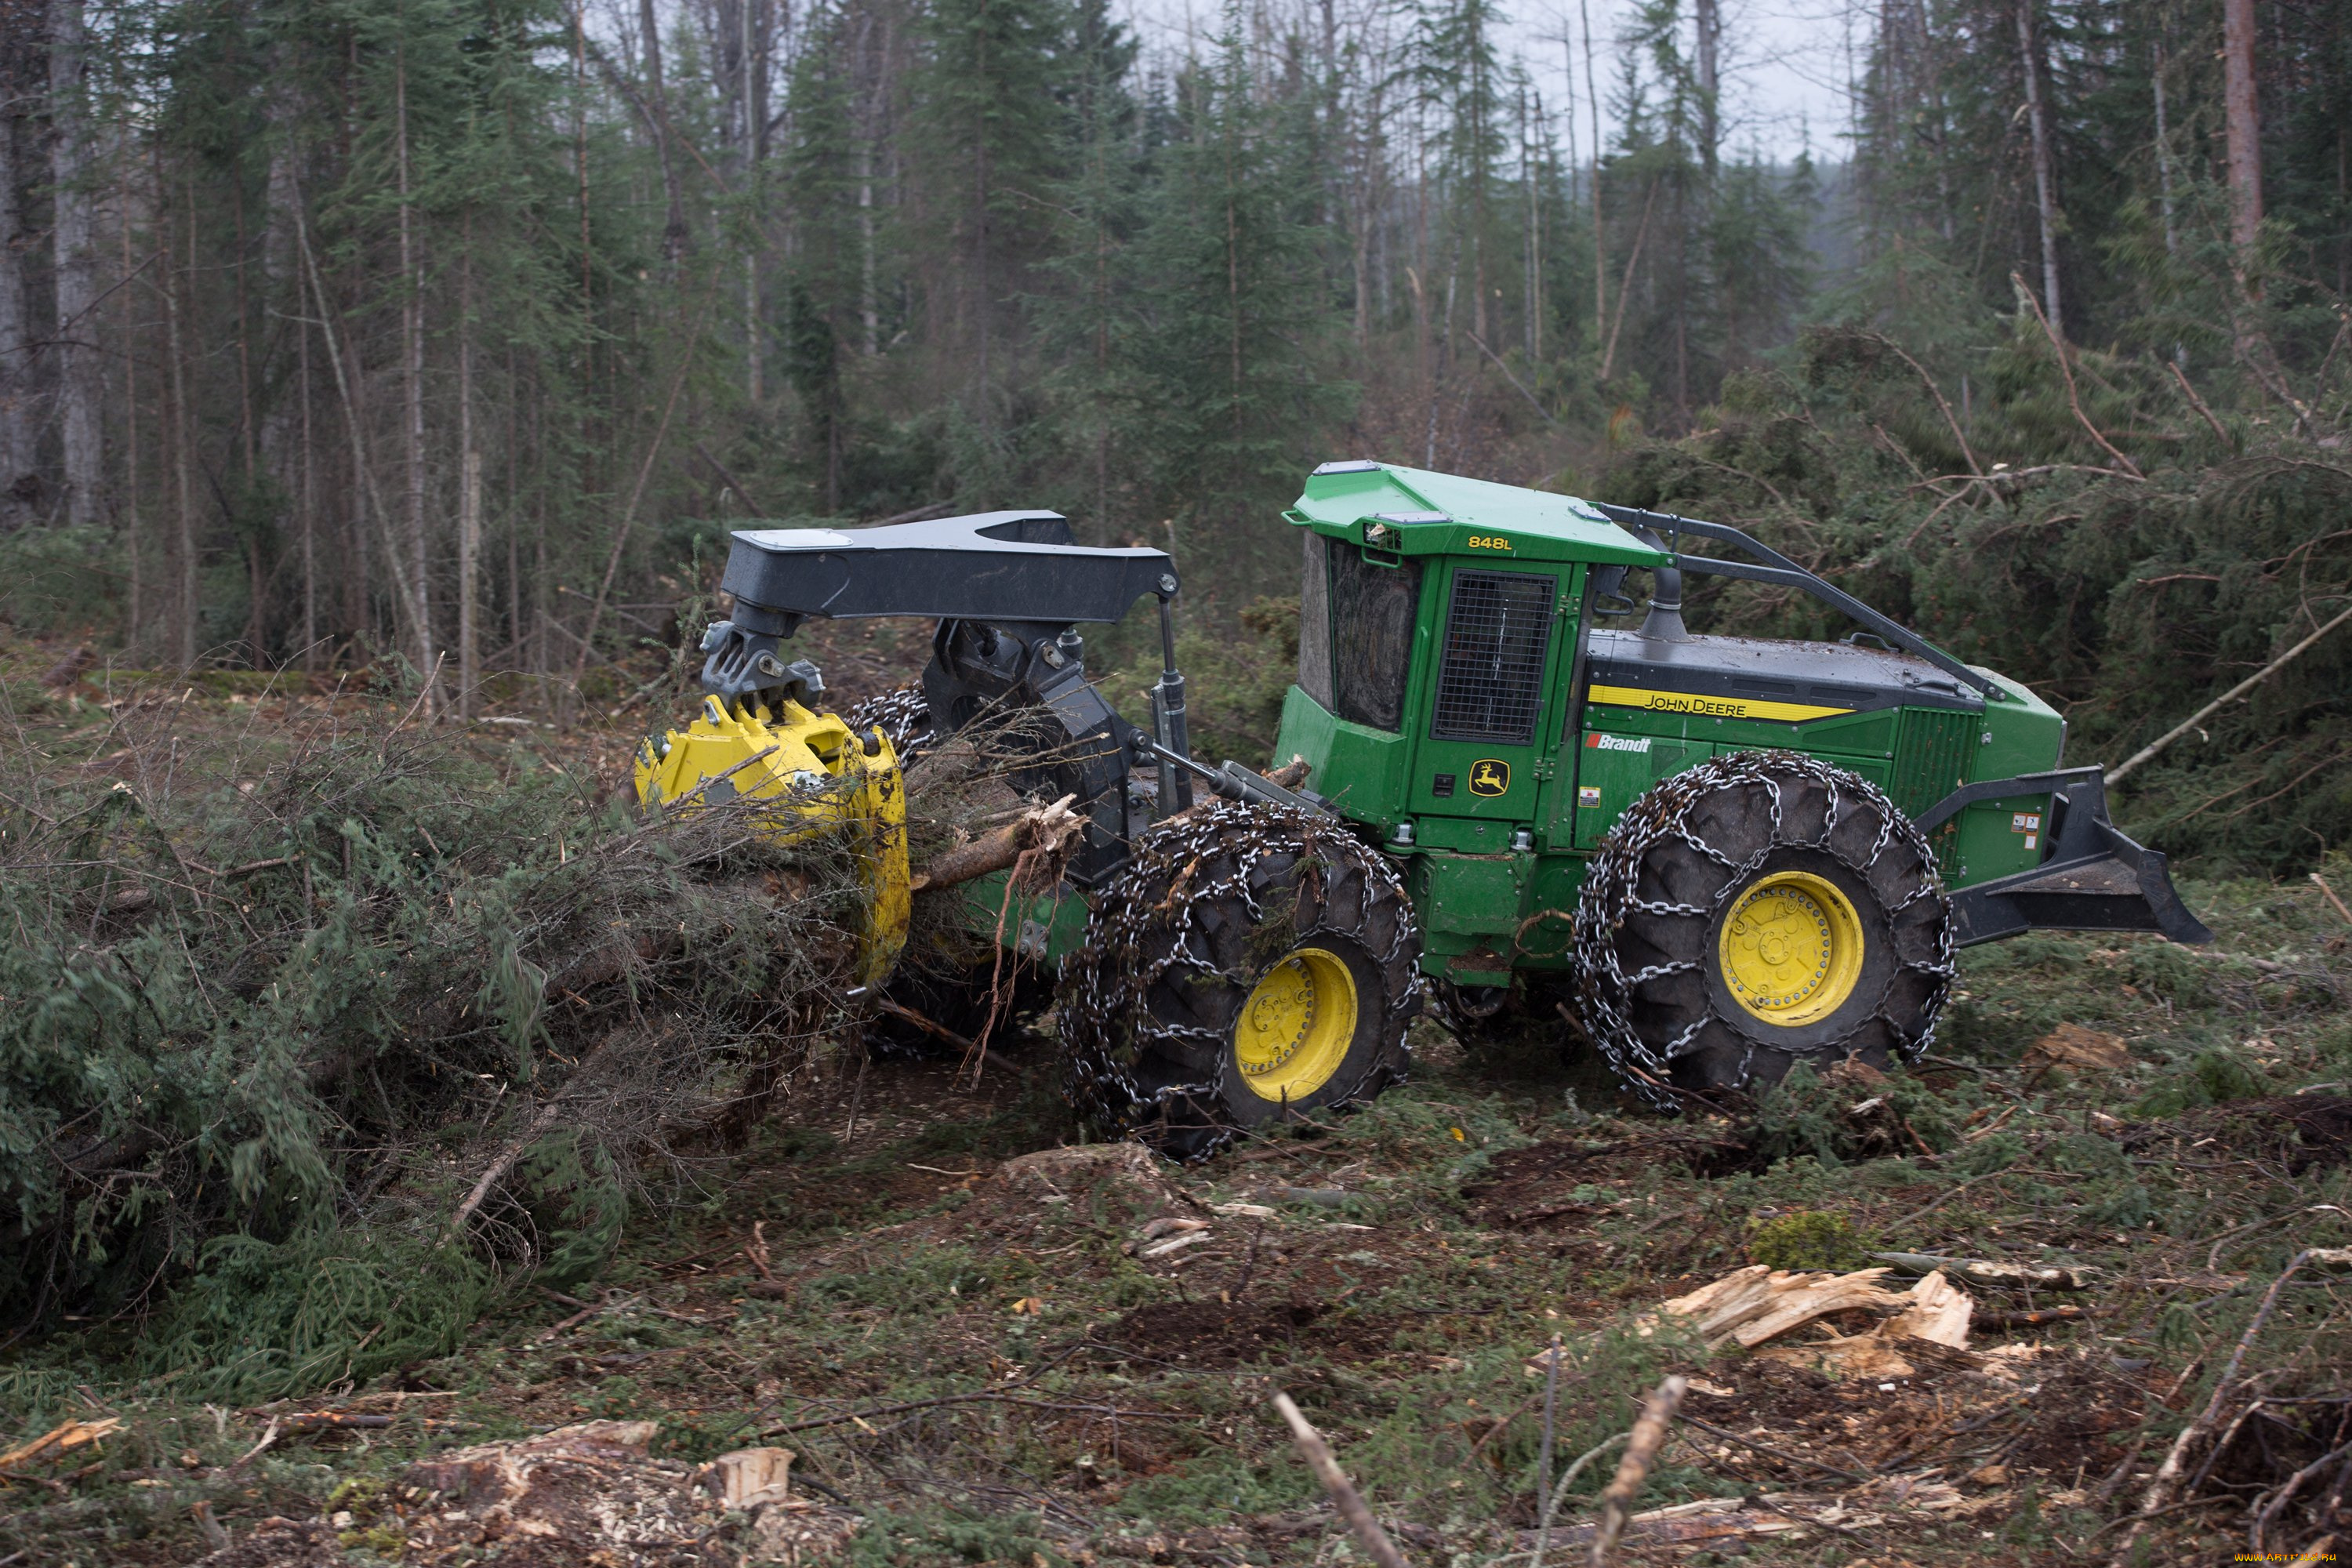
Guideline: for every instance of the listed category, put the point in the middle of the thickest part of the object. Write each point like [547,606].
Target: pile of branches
[326,1024]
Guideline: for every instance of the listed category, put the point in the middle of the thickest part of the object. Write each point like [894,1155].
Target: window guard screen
[1372,611]
[1498,631]
[1314,621]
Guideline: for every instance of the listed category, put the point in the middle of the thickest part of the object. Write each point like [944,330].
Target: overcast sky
[1785,64]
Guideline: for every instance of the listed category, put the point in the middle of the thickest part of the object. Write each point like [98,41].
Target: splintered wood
[1755,1305]
[1040,838]
[58,1440]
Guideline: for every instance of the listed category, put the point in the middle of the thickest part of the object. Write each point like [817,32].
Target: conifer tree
[988,95]
[1459,76]
[1229,347]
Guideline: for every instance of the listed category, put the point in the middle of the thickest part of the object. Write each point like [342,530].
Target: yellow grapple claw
[822,777]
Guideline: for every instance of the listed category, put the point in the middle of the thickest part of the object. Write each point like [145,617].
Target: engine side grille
[1498,630]
[1931,759]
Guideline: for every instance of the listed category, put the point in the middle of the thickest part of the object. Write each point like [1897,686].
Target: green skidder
[1507,781]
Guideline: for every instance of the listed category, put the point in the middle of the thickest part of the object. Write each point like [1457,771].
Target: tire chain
[1612,891]
[902,714]
[1141,926]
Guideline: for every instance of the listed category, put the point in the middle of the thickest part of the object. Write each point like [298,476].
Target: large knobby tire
[1251,964]
[1760,909]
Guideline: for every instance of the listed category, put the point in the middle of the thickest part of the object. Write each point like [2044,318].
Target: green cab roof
[1416,512]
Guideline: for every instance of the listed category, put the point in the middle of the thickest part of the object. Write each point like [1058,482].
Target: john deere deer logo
[1489,776]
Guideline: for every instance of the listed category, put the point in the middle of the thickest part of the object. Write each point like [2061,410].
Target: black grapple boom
[1009,590]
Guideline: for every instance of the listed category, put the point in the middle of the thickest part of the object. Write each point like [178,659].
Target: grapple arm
[1009,590]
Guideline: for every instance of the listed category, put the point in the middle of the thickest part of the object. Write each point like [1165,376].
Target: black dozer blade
[2092,878]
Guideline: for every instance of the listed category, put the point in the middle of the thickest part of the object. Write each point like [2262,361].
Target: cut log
[1047,828]
[749,1477]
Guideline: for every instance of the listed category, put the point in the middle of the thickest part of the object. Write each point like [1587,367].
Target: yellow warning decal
[1709,707]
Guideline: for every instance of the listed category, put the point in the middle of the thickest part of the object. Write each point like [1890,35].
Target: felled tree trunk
[1046,831]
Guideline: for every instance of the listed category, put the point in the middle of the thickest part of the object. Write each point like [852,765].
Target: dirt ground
[982,1340]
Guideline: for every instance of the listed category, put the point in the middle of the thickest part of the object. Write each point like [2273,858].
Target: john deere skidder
[1728,854]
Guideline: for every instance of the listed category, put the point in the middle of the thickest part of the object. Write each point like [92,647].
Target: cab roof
[1416,512]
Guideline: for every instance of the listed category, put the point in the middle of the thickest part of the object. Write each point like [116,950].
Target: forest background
[442,339]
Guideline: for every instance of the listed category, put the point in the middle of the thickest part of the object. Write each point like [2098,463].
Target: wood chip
[2082,1049]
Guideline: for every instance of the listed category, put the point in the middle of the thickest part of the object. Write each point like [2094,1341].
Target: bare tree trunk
[286,426]
[177,427]
[2245,150]
[19,415]
[674,230]
[1424,359]
[1600,232]
[1482,112]
[470,496]
[868,115]
[307,499]
[257,601]
[2164,157]
[1708,69]
[579,171]
[1535,235]
[133,542]
[985,298]
[412,359]
[754,339]
[2045,176]
[80,374]
[514,490]
[367,501]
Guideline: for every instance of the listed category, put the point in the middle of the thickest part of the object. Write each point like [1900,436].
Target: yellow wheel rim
[1296,1028]
[1791,949]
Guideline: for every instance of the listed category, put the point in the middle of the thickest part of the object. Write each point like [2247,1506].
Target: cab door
[1502,649]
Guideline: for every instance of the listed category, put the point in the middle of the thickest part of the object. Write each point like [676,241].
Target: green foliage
[1807,1238]
[263,1018]
[1234,683]
[259,1319]
[55,579]
[1807,1113]
[1223,353]
[940,1537]
[2216,1076]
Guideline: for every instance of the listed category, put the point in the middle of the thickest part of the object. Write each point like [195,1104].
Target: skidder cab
[1724,855]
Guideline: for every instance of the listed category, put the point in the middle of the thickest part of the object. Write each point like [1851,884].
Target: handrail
[1781,571]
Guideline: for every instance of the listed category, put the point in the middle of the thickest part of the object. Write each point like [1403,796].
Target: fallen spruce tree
[315,1031]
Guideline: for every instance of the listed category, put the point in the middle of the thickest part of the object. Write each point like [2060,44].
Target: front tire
[1251,964]
[1757,910]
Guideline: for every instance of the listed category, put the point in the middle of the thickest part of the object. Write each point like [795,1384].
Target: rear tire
[1760,909]
[1252,964]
